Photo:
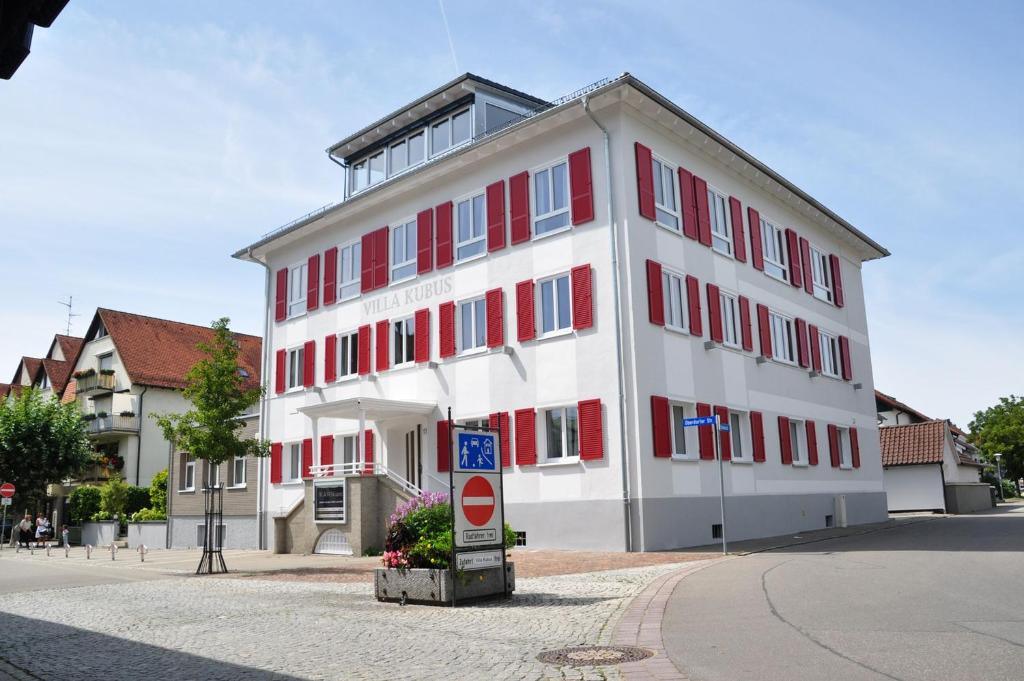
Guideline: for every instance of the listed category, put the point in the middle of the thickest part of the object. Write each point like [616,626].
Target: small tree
[1000,428]
[136,500]
[158,492]
[84,503]
[113,498]
[210,430]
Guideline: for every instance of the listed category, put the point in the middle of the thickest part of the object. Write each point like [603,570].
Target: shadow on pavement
[47,650]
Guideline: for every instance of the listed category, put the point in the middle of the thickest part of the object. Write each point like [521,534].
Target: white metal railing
[341,470]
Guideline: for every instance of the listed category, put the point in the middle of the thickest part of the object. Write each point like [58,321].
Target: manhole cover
[586,656]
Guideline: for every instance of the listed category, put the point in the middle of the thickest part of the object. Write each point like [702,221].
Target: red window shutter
[812,443]
[424,241]
[581,187]
[281,299]
[368,452]
[754,227]
[785,444]
[757,435]
[591,429]
[313,282]
[443,225]
[801,343]
[833,445]
[793,248]
[330,276]
[693,299]
[446,328]
[422,335]
[364,349]
[837,280]
[655,296]
[443,446]
[366,255]
[724,441]
[326,450]
[645,181]
[764,330]
[739,243]
[493,421]
[805,258]
[496,215]
[383,334]
[307,458]
[582,298]
[854,447]
[661,426]
[276,450]
[700,191]
[519,207]
[330,358]
[526,437]
[309,364]
[705,435]
[688,203]
[279,372]
[746,332]
[495,318]
[847,363]
[381,258]
[715,313]
[525,323]
[812,332]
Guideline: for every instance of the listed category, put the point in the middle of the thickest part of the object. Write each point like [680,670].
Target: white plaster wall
[914,488]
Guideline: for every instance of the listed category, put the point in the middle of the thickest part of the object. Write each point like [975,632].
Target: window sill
[292,391]
[799,464]
[669,228]
[561,333]
[845,467]
[742,462]
[187,490]
[296,315]
[556,463]
[678,330]
[290,483]
[682,459]
[235,487]
[349,378]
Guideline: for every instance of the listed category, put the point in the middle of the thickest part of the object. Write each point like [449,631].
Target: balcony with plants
[93,381]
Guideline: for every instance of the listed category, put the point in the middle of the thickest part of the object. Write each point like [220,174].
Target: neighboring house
[587,273]
[57,365]
[892,412]
[239,480]
[927,469]
[27,373]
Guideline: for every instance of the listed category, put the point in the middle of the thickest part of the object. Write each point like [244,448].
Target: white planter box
[151,533]
[99,534]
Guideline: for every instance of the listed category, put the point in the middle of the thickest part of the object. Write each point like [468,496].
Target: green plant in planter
[102,414]
[106,372]
[127,413]
[88,417]
[85,373]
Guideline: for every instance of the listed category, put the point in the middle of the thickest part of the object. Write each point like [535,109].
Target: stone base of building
[240,532]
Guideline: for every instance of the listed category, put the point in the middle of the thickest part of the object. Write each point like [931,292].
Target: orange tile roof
[159,352]
[32,366]
[70,392]
[69,345]
[59,372]
[4,389]
[911,444]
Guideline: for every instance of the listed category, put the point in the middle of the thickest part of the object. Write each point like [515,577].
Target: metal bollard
[113,550]
[47,549]
[67,550]
[88,551]
[142,552]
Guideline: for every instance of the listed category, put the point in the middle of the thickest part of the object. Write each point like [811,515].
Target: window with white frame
[666,198]
[404,340]
[798,441]
[349,449]
[293,469]
[674,298]
[554,304]
[773,248]
[238,471]
[472,325]
[721,222]
[561,430]
[821,275]
[349,270]
[377,168]
[358,178]
[682,448]
[845,452]
[451,131]
[407,153]
[188,473]
[783,337]
[348,354]
[212,474]
[403,251]
[471,229]
[296,365]
[298,278]
[828,347]
[105,362]
[730,319]
[551,199]
[738,436]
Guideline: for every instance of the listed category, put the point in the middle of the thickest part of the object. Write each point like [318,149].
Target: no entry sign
[476,493]
[478,501]
[6,490]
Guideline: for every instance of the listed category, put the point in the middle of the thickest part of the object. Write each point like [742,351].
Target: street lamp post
[999,476]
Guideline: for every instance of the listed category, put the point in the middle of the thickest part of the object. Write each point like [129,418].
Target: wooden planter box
[434,587]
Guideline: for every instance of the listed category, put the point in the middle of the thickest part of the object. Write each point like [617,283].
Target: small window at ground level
[737,435]
[293,470]
[845,453]
[679,433]
[797,441]
[238,471]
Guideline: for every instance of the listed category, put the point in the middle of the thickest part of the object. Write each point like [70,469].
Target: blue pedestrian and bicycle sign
[476,451]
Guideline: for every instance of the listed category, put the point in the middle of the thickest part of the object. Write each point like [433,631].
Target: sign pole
[3,524]
[721,478]
[501,505]
[451,500]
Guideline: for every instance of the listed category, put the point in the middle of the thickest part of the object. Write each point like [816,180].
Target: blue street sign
[724,427]
[476,451]
[699,421]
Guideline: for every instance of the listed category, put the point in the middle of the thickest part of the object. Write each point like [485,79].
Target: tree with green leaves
[216,387]
[41,441]
[1000,428]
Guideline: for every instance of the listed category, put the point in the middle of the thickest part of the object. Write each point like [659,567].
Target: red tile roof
[4,389]
[895,404]
[32,366]
[915,443]
[70,392]
[69,346]
[159,352]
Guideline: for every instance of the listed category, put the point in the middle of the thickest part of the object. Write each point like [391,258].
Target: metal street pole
[999,477]
[721,479]
[3,524]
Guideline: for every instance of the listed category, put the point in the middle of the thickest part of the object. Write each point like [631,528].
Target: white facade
[628,498]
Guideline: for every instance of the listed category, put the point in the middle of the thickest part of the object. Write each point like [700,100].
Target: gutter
[261,472]
[138,449]
[616,287]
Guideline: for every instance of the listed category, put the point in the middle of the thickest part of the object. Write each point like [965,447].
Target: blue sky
[142,143]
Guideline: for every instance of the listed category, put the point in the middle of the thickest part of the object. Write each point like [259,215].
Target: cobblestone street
[175,627]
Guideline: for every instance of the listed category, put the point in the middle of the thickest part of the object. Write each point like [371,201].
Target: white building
[588,272]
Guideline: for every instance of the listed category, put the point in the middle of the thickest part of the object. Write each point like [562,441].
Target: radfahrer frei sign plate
[476,492]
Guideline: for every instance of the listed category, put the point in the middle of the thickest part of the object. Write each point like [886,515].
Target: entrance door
[413,460]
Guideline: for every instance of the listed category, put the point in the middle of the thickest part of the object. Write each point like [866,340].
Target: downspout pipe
[614,246]
[261,478]
[138,449]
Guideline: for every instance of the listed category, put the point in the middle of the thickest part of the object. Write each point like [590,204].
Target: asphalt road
[941,599]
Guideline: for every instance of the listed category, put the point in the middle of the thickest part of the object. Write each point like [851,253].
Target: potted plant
[84,373]
[102,414]
[88,417]
[106,372]
[417,557]
[127,413]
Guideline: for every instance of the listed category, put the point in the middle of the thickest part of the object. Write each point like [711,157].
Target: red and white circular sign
[478,500]
[7,490]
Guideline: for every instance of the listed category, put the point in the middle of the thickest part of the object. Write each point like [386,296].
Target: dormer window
[451,131]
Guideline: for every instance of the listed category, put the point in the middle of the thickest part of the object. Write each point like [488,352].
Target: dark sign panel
[329,501]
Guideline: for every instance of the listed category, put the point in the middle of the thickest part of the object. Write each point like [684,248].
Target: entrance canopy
[373,408]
